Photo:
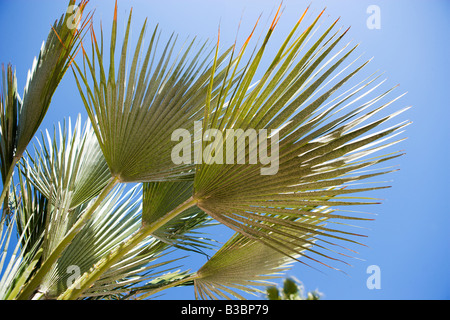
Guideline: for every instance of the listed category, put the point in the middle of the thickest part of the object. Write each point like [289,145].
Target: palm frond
[31,209]
[134,116]
[9,107]
[318,146]
[24,253]
[324,139]
[320,134]
[68,168]
[139,271]
[163,282]
[55,57]
[241,264]
[112,223]
[181,233]
[20,119]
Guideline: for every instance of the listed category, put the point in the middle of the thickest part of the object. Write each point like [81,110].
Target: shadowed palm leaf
[9,106]
[127,113]
[111,224]
[241,264]
[29,214]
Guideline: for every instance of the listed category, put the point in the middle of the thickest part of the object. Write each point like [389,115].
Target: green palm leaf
[241,264]
[319,145]
[126,113]
[56,55]
[31,209]
[137,272]
[112,223]
[69,170]
[9,106]
[134,116]
[162,197]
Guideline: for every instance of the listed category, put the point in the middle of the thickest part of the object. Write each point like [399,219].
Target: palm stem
[7,181]
[170,285]
[105,263]
[51,259]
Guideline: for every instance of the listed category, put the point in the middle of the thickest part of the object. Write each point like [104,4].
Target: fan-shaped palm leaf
[314,145]
[134,116]
[241,264]
[126,114]
[19,266]
[31,214]
[70,168]
[9,106]
[111,225]
[157,197]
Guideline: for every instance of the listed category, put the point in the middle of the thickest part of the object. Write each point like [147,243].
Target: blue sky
[409,240]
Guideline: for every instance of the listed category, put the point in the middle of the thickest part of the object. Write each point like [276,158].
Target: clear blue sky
[409,240]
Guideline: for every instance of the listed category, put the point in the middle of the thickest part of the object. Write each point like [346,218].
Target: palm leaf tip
[55,56]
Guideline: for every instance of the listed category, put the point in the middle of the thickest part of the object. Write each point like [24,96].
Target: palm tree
[98,206]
